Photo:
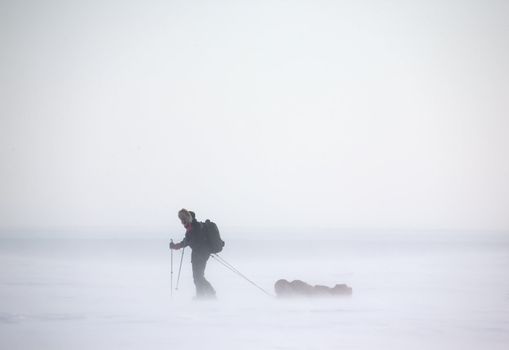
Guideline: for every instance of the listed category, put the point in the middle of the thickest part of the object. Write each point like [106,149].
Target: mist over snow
[443,293]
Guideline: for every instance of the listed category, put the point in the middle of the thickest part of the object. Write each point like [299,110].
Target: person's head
[185,217]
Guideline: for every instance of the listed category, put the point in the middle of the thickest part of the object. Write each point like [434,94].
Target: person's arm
[182,244]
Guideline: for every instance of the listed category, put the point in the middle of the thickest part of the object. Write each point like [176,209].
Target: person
[196,238]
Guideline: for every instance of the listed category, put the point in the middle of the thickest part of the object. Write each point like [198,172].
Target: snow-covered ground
[409,292]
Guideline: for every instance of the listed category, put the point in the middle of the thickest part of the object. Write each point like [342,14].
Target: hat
[185,215]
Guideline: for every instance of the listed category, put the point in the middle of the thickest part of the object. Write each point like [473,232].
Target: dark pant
[203,287]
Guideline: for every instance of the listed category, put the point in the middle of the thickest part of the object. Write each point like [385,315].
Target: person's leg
[198,271]
[203,287]
[207,287]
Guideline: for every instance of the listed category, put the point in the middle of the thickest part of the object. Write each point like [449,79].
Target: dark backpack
[214,240]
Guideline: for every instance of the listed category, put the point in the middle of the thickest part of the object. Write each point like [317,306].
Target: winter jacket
[196,238]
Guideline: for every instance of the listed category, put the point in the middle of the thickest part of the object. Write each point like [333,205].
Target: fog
[338,114]
[357,142]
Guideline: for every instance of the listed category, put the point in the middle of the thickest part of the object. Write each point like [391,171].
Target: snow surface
[409,292]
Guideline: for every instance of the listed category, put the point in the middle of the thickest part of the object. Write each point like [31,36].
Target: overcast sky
[339,114]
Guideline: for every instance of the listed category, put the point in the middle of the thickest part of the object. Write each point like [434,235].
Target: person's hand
[174,246]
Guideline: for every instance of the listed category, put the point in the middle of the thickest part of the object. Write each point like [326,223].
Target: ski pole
[171,269]
[234,270]
[180,268]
